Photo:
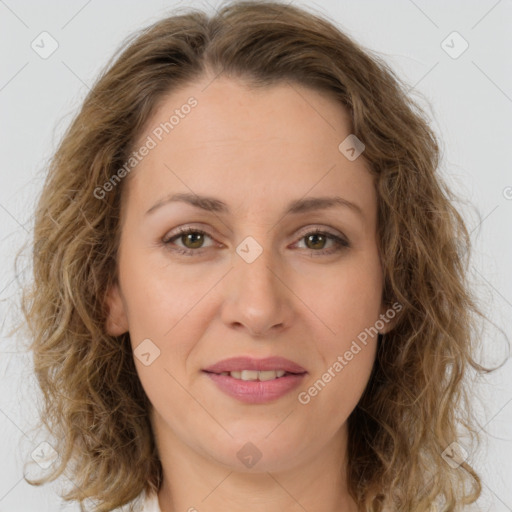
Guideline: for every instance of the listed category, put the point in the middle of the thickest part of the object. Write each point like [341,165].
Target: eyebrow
[305,205]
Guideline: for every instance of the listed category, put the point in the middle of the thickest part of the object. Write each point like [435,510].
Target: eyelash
[341,243]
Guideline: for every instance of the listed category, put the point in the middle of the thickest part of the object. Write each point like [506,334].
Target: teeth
[255,375]
[270,374]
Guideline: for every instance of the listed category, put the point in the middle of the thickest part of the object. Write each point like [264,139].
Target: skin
[256,150]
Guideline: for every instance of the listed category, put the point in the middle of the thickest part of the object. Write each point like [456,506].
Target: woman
[249,280]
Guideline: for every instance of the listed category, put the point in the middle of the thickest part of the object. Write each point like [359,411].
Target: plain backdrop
[467,92]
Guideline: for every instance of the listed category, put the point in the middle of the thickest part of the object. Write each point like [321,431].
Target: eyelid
[320,229]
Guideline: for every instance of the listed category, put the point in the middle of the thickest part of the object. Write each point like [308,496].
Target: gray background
[468,97]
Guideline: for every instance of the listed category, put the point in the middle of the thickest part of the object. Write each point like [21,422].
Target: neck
[194,481]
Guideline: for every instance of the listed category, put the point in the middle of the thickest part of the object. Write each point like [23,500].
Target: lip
[256,392]
[237,364]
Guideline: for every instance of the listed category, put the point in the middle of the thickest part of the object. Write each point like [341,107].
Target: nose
[257,298]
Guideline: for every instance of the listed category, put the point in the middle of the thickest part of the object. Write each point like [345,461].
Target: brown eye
[192,240]
[315,241]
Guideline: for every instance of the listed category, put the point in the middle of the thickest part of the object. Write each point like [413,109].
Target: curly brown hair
[415,404]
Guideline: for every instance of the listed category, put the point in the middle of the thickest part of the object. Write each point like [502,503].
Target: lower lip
[256,392]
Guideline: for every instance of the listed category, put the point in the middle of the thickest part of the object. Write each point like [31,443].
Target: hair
[415,404]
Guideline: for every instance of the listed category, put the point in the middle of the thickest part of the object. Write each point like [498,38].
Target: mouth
[256,381]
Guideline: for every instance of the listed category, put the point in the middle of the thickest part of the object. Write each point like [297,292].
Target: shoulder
[150,503]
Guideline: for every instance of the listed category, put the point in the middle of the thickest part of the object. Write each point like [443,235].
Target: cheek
[346,348]
[332,394]
[348,305]
[347,299]
[159,296]
[171,306]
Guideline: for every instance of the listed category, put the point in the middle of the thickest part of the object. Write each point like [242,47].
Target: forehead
[243,144]
[229,110]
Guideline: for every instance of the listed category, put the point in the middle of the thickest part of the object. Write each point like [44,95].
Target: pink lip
[237,364]
[256,392]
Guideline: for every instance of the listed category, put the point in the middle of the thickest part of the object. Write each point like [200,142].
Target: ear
[117,320]
[389,315]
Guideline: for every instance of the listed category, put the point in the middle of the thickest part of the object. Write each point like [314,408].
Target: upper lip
[237,364]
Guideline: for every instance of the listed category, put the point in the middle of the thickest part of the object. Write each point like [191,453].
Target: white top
[151,504]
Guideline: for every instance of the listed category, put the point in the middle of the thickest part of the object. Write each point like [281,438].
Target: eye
[192,240]
[316,241]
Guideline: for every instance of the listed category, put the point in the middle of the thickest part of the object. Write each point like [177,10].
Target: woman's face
[259,282]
